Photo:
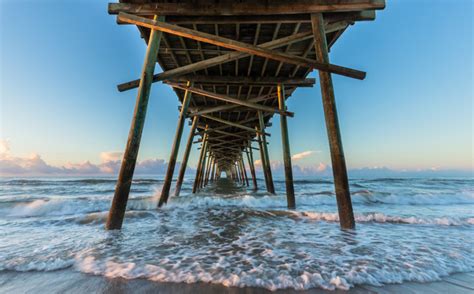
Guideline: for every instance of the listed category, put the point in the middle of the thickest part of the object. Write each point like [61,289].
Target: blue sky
[61,62]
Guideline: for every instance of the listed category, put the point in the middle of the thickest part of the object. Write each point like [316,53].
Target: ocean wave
[383,218]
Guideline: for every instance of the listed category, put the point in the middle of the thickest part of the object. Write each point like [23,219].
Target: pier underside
[232,66]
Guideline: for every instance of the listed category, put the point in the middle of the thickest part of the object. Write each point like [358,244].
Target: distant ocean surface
[407,230]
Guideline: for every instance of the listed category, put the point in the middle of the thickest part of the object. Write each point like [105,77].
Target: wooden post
[263,160]
[184,163]
[343,196]
[213,170]
[209,165]
[242,164]
[265,152]
[251,165]
[290,190]
[122,189]
[165,192]
[203,168]
[198,169]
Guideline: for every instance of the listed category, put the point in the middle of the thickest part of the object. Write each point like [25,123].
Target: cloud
[34,165]
[303,154]
[111,156]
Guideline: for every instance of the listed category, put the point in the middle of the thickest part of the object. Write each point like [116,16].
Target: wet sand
[69,281]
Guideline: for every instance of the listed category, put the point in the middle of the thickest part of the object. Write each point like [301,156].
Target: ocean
[408,229]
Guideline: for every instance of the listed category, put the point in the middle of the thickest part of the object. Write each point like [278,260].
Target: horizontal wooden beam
[231,100]
[246,8]
[263,19]
[240,46]
[228,57]
[231,123]
[245,80]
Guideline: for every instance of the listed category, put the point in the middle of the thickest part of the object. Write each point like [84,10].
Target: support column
[209,165]
[265,152]
[242,163]
[165,192]
[290,190]
[203,168]
[213,170]
[198,169]
[262,159]
[343,196]
[251,165]
[122,189]
[184,162]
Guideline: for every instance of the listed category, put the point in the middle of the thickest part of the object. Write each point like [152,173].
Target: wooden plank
[343,196]
[216,60]
[165,191]
[184,162]
[248,8]
[364,15]
[240,46]
[228,107]
[127,168]
[290,190]
[244,80]
[231,100]
[230,123]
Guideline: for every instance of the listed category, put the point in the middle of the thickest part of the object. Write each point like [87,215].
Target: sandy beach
[68,281]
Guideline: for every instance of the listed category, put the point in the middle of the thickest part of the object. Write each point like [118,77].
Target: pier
[233,65]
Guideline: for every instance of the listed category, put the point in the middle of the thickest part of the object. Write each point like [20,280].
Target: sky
[60,110]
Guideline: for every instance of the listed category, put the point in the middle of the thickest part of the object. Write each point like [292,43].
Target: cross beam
[232,56]
[239,46]
[231,100]
[249,8]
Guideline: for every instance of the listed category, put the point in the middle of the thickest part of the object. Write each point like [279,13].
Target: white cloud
[303,154]
[111,156]
[4,147]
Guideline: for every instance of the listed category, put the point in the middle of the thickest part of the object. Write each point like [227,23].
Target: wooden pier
[233,65]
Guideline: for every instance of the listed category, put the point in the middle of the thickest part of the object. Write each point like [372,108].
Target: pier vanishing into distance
[233,65]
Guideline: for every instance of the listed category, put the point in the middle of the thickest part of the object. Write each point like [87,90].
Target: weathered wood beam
[248,8]
[184,162]
[240,46]
[251,165]
[265,19]
[200,162]
[231,100]
[175,149]
[290,190]
[226,107]
[230,123]
[244,80]
[216,60]
[127,168]
[341,182]
[268,167]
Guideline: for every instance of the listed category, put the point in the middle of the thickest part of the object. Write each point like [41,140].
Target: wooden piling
[344,203]
[199,165]
[204,165]
[175,149]
[290,190]
[184,162]
[252,166]
[122,189]
[244,171]
[271,187]
[263,160]
[209,165]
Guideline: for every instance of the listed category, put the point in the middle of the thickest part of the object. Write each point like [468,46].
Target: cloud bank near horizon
[34,165]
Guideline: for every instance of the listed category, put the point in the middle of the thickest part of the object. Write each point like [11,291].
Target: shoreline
[70,281]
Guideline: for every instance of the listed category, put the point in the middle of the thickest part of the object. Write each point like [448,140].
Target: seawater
[407,230]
